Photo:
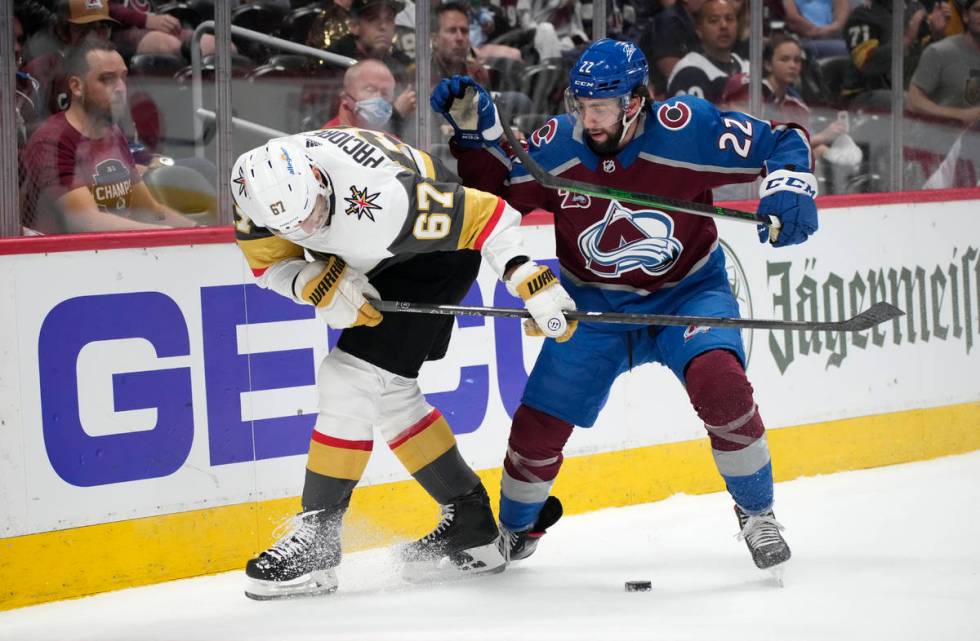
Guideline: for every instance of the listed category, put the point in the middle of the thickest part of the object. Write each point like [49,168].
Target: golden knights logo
[361,203]
[240,181]
[625,240]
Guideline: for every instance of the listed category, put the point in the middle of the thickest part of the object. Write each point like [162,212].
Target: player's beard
[610,145]
[99,114]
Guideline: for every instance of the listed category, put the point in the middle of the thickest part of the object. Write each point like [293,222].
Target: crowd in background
[100,84]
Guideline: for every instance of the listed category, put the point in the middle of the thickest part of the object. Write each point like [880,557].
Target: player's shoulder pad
[687,114]
[553,143]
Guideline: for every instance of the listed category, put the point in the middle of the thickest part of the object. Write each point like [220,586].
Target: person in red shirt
[75,22]
[367,97]
[79,174]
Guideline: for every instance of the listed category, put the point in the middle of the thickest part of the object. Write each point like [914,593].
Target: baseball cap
[360,6]
[86,11]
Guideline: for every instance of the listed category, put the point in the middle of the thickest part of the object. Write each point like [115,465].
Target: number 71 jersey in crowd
[683,148]
[387,200]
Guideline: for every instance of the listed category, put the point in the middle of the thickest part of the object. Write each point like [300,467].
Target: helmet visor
[315,223]
[598,113]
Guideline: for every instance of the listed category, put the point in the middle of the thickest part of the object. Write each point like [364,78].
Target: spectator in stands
[819,23]
[706,74]
[452,55]
[367,98]
[372,33]
[75,21]
[330,25]
[743,28]
[946,86]
[782,63]
[674,37]
[451,51]
[79,174]
[868,81]
[141,31]
[488,23]
[27,101]
[556,25]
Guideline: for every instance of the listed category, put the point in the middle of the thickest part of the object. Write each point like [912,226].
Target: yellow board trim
[110,556]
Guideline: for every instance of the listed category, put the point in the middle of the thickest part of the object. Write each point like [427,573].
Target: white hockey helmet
[279,187]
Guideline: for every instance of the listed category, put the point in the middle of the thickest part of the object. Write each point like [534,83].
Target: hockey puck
[638,586]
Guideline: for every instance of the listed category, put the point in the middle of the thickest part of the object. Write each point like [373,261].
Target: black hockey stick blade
[638,198]
[876,314]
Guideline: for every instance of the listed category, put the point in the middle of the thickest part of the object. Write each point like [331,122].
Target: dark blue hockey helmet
[608,68]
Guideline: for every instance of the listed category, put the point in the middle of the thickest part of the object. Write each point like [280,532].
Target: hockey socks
[534,456]
[722,396]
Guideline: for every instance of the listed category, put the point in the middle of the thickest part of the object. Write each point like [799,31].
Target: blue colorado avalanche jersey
[683,148]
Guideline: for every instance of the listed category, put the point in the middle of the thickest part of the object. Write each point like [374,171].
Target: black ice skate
[464,542]
[299,564]
[520,545]
[761,534]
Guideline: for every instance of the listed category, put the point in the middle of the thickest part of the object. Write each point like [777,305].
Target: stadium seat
[542,84]
[291,61]
[831,73]
[259,17]
[154,65]
[296,25]
[505,73]
[204,8]
[183,11]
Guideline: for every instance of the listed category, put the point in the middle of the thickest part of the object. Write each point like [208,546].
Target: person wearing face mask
[367,98]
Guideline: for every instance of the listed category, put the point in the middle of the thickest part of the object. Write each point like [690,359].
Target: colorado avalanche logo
[545,133]
[674,117]
[625,240]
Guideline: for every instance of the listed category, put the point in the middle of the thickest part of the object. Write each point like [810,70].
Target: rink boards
[155,406]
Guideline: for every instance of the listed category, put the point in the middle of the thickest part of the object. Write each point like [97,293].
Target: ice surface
[890,553]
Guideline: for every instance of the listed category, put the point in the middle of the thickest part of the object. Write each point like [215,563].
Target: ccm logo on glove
[789,183]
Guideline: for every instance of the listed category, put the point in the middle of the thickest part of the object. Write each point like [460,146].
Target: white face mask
[375,112]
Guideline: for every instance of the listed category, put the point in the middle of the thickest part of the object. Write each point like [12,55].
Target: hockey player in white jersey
[337,217]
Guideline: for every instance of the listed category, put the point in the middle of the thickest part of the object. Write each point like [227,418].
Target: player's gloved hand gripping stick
[338,292]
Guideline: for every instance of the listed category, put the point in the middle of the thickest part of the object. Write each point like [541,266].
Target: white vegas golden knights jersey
[389,200]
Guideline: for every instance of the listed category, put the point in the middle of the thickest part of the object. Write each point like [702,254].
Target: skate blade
[776,573]
[315,583]
[485,559]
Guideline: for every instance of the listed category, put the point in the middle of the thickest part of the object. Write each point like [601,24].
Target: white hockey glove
[545,299]
[338,292]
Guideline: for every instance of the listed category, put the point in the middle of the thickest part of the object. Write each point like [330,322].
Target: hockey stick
[874,315]
[638,198]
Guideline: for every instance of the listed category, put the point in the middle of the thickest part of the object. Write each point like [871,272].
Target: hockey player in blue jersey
[621,257]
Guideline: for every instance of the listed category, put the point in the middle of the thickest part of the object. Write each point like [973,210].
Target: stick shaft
[872,316]
[650,200]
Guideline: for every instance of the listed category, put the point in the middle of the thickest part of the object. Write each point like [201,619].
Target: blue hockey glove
[788,195]
[469,109]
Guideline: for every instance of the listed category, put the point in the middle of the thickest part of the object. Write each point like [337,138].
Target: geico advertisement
[148,381]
